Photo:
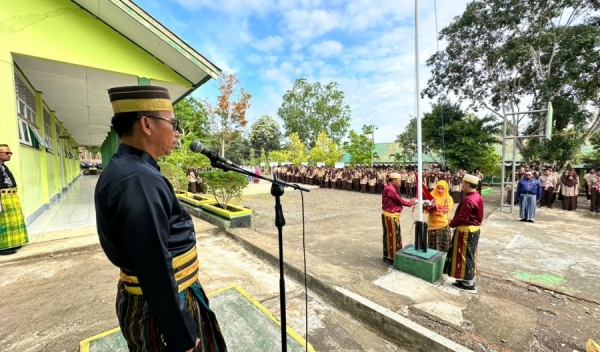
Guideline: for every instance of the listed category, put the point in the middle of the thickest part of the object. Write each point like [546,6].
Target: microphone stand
[277,190]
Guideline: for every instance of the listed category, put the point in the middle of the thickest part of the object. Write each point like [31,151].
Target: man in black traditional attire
[145,232]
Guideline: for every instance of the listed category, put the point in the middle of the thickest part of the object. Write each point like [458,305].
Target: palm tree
[397,157]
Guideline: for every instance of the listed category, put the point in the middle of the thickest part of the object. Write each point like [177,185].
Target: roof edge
[146,20]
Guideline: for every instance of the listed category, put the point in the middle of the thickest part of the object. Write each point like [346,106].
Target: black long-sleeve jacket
[142,226]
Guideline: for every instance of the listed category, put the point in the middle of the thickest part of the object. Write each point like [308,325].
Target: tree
[193,125]
[238,149]
[280,156]
[508,56]
[326,151]
[488,162]
[228,115]
[397,158]
[308,109]
[408,143]
[265,134]
[360,146]
[297,150]
[466,139]
[565,145]
[593,159]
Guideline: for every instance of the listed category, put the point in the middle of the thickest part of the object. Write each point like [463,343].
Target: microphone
[198,147]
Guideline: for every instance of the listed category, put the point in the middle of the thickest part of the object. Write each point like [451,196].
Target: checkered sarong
[13,232]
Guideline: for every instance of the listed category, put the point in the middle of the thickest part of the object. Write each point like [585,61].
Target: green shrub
[175,175]
[225,186]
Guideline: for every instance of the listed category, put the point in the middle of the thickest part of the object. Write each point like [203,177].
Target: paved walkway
[72,215]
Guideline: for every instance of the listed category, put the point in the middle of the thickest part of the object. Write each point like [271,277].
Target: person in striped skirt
[461,261]
[391,205]
[145,232]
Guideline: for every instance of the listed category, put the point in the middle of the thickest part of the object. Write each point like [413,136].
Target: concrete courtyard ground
[538,284]
[538,287]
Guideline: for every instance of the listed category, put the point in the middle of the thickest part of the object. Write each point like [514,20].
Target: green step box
[428,266]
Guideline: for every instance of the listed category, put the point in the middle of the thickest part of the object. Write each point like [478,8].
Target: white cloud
[305,25]
[269,44]
[327,48]
[238,7]
[369,47]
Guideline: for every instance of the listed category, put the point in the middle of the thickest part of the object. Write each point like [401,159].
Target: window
[48,131]
[21,108]
[38,136]
[30,114]
[49,146]
[24,133]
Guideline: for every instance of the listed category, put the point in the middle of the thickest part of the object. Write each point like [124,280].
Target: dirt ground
[546,320]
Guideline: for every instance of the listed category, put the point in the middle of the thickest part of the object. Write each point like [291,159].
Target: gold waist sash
[186,273]
[8,191]
[467,229]
[393,215]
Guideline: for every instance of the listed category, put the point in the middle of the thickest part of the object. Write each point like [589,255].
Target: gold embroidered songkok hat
[139,98]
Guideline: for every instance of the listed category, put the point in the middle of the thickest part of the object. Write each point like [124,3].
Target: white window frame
[49,146]
[25,136]
[39,137]
[21,108]
[30,115]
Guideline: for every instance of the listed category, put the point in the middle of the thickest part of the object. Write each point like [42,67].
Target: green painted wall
[9,133]
[30,185]
[39,28]
[109,147]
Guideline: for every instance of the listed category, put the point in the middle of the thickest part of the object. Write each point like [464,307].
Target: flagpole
[418,117]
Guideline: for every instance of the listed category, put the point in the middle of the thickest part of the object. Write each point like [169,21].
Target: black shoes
[388,261]
[523,219]
[461,286]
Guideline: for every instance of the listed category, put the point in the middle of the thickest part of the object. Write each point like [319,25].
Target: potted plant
[225,187]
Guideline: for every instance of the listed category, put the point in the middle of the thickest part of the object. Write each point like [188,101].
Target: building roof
[135,24]
[111,43]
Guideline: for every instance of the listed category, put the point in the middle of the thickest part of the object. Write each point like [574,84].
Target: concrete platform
[246,326]
[344,250]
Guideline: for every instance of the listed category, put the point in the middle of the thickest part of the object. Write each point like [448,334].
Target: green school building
[57,60]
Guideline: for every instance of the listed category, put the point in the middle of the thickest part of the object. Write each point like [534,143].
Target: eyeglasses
[7,153]
[175,123]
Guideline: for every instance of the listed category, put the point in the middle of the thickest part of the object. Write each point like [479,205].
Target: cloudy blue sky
[367,46]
